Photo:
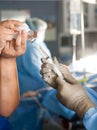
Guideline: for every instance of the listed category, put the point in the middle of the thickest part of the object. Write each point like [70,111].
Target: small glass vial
[31,34]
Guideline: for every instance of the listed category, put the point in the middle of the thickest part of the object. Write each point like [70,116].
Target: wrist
[82,105]
[8,63]
[7,60]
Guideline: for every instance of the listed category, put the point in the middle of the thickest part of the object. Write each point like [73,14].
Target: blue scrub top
[90,119]
[4,124]
[29,66]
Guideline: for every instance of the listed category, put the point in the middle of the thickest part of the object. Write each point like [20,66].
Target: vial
[31,35]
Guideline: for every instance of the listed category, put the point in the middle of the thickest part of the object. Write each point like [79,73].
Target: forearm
[9,92]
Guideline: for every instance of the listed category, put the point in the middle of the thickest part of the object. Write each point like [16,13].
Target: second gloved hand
[69,92]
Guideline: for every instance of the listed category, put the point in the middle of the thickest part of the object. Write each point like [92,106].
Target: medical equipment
[75,23]
[75,17]
[77,28]
[49,60]
[32,35]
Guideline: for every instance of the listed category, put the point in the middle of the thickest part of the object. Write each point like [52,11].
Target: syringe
[49,60]
[32,35]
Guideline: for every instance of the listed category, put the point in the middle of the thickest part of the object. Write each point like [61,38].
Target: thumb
[55,61]
[43,60]
[60,82]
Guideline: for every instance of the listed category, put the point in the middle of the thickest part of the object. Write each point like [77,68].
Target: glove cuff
[82,105]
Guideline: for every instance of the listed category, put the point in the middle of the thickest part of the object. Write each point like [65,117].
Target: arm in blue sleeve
[90,119]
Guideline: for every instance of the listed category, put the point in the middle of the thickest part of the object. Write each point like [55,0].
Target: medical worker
[10,48]
[71,94]
[27,115]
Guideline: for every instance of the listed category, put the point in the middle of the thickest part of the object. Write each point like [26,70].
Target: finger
[23,38]
[50,81]
[17,25]
[5,37]
[60,82]
[47,65]
[16,28]
[48,75]
[13,24]
[69,78]
[64,66]
[47,79]
[42,69]
[18,42]
[7,31]
[44,60]
[56,61]
[43,65]
[66,74]
[45,70]
[50,78]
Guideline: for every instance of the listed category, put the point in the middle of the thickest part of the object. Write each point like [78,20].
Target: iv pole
[74,37]
[82,30]
[77,29]
[75,25]
[83,36]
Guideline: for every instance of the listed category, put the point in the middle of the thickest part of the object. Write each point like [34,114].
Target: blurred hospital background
[57,13]
[71,36]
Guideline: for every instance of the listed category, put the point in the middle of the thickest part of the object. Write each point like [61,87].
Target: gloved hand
[69,92]
[49,73]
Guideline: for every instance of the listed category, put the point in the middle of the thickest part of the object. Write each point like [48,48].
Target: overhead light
[91,1]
